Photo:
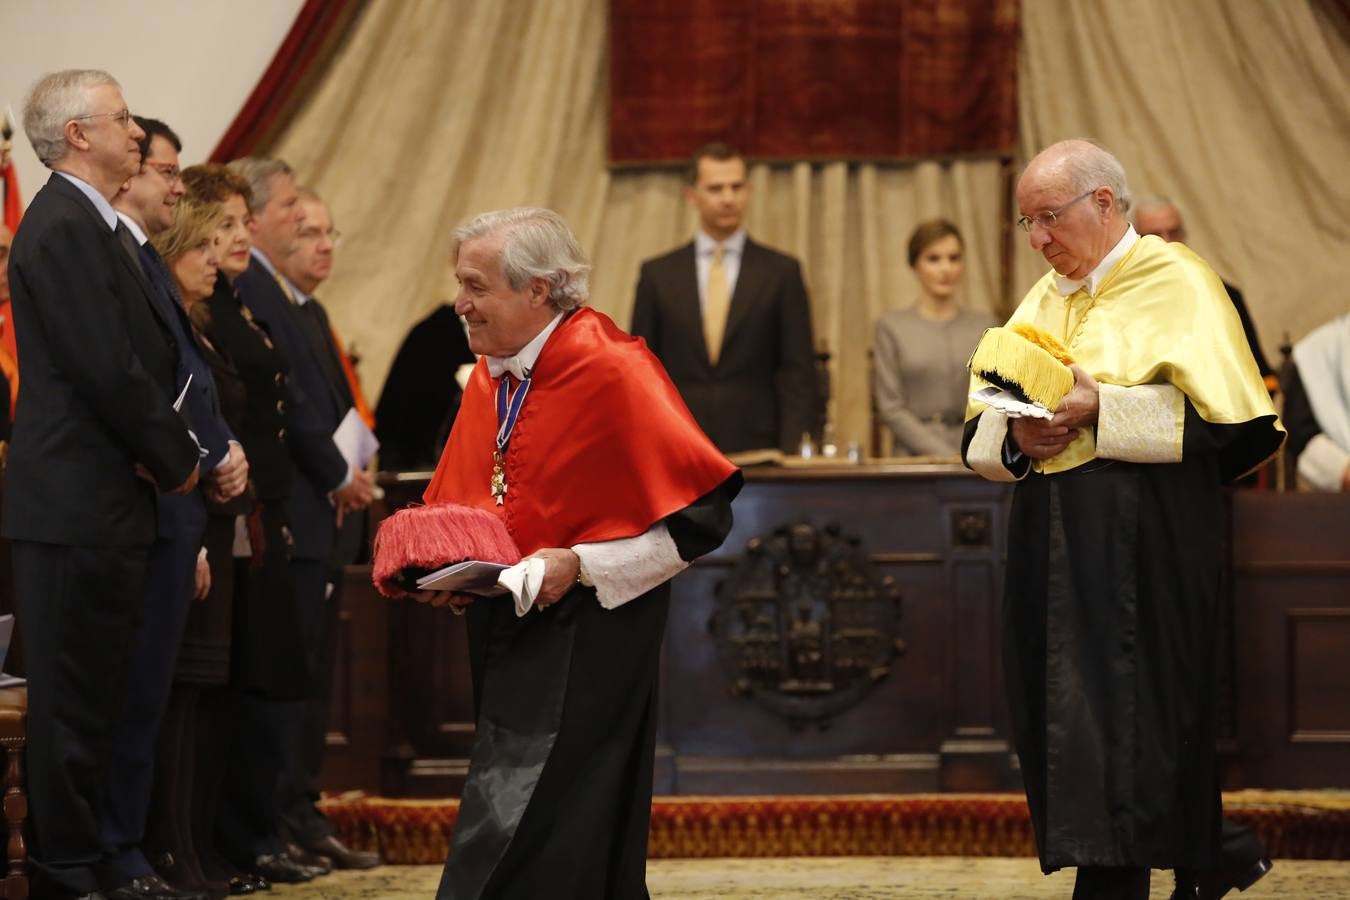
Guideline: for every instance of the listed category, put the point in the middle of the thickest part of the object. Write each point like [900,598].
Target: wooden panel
[1319,675]
[1291,590]
[403,700]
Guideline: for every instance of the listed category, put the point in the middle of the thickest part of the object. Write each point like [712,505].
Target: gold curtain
[434,111]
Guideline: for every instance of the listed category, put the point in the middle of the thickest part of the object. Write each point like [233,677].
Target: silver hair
[537,243]
[258,172]
[56,99]
[1094,166]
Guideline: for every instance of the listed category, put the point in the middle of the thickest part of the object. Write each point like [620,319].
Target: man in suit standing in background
[305,269]
[96,436]
[324,484]
[730,320]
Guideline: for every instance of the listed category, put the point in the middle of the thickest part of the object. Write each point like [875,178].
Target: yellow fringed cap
[1026,360]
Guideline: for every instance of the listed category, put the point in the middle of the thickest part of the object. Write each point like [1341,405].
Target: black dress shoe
[322,864]
[278,868]
[247,883]
[1217,884]
[151,887]
[344,857]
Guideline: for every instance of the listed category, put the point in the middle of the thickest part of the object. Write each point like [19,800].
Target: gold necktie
[715,305]
[285,288]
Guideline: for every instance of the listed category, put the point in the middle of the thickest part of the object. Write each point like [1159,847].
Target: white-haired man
[99,380]
[1112,549]
[572,432]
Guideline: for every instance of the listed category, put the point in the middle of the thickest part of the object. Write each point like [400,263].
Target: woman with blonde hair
[919,355]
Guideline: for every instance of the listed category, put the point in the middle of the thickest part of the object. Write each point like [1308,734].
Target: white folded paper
[1008,404]
[355,441]
[522,581]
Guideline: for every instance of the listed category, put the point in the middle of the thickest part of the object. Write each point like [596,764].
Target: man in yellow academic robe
[1111,593]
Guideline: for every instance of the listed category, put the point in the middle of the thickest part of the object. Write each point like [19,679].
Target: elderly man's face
[1164,221]
[501,320]
[312,262]
[113,147]
[1080,237]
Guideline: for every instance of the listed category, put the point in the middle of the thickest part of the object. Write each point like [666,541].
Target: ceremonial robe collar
[523,362]
[1094,279]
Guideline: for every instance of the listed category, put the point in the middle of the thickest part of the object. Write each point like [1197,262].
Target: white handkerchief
[524,580]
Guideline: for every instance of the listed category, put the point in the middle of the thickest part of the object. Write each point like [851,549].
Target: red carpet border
[1293,824]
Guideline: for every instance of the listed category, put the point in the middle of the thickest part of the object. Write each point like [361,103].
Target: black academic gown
[1109,622]
[558,799]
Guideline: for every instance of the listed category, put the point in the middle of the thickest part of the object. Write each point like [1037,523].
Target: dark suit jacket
[314,413]
[257,376]
[185,515]
[762,392]
[98,372]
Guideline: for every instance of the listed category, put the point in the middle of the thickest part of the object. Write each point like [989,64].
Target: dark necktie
[124,237]
[321,338]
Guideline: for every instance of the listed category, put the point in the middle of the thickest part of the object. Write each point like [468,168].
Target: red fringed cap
[421,539]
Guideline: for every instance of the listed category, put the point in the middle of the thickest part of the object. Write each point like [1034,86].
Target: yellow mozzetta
[1161,316]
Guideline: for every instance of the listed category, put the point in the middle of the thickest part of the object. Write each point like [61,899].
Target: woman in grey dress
[919,355]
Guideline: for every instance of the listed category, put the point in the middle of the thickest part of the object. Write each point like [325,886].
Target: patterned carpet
[871,878]
[1293,825]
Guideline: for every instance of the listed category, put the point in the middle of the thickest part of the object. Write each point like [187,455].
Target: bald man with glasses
[1112,579]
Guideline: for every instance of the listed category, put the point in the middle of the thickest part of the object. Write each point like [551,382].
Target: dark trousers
[80,608]
[298,790]
[268,745]
[145,693]
[1110,883]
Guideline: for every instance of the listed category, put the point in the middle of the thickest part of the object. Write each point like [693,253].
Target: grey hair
[1156,201]
[537,243]
[1093,166]
[56,99]
[258,172]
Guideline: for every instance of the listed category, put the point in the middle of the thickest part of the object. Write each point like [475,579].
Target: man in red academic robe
[572,432]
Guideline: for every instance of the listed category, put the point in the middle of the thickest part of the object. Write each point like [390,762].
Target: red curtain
[812,79]
[319,28]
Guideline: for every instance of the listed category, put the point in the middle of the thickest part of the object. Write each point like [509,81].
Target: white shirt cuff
[629,567]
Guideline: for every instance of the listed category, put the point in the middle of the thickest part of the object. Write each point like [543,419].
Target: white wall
[190,63]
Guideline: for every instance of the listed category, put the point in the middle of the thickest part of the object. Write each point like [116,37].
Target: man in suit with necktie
[145,207]
[304,270]
[730,320]
[95,439]
[325,486]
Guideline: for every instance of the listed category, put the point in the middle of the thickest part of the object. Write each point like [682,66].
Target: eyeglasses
[168,171]
[313,234]
[1047,219]
[121,117]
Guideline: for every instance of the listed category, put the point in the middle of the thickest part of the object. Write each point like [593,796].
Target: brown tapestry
[812,79]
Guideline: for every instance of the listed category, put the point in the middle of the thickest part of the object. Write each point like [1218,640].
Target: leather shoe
[344,857]
[323,864]
[151,887]
[278,868]
[247,883]
[1216,884]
